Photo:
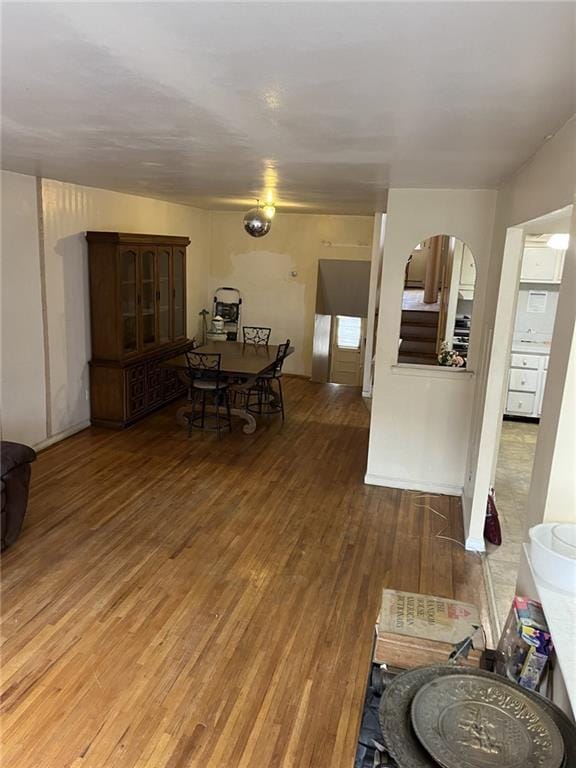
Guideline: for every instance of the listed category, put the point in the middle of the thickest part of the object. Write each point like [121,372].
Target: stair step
[417,359]
[427,346]
[414,317]
[418,332]
[429,341]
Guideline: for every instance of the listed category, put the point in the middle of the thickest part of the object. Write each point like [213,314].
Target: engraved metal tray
[465,721]
[396,724]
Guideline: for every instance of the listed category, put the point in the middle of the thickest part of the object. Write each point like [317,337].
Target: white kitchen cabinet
[541,264]
[520,404]
[526,381]
[525,361]
[523,380]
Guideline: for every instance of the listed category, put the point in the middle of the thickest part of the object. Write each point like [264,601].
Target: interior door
[129,300]
[347,350]
[148,303]
[179,292]
[163,294]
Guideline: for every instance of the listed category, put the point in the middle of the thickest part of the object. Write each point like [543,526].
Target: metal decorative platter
[465,721]
[396,723]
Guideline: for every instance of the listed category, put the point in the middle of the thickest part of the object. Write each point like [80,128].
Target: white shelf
[560,611]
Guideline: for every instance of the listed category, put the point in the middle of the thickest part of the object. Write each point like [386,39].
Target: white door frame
[374,290]
[497,378]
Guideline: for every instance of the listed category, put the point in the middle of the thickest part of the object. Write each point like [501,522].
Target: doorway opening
[347,350]
[340,321]
[522,372]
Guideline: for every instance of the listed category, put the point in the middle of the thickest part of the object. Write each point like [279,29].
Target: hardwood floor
[180,602]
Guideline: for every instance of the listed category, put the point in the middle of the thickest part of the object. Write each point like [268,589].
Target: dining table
[241,363]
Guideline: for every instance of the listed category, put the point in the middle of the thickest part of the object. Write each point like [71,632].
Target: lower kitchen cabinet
[526,382]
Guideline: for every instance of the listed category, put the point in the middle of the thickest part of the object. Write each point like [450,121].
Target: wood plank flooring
[178,602]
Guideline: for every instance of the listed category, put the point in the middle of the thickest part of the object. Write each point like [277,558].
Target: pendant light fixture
[256,222]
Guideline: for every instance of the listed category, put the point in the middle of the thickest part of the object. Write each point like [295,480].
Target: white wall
[552,495]
[23,371]
[262,270]
[559,504]
[545,184]
[420,423]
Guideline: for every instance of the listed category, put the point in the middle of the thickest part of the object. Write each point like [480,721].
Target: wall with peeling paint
[277,275]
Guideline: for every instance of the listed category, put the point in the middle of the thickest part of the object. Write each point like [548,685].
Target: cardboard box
[415,630]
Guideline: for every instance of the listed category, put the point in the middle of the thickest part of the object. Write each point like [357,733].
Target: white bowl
[551,566]
[564,539]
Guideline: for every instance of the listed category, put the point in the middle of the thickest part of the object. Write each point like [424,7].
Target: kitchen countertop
[531,347]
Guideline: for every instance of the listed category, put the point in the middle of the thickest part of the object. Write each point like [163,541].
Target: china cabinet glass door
[129,301]
[164,293]
[148,303]
[179,293]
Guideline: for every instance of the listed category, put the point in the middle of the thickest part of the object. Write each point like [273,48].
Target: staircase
[418,331]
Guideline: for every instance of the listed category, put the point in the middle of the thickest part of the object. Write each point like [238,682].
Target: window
[348,332]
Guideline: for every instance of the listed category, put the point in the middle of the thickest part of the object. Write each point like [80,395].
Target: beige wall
[68,211]
[262,270]
[420,423]
[545,184]
[23,373]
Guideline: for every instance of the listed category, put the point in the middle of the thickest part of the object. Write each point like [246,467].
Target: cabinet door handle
[523,382]
[139,299]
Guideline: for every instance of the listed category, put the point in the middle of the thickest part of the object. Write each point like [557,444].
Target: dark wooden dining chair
[256,334]
[266,396]
[207,381]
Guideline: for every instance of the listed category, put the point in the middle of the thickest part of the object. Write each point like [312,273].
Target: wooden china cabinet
[138,319]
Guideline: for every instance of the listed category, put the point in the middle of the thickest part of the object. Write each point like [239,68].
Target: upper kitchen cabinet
[541,264]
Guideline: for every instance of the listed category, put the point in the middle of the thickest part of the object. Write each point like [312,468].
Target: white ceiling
[326,105]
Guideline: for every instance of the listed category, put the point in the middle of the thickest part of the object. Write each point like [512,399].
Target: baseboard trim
[61,435]
[445,489]
[466,510]
[474,544]
[491,597]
